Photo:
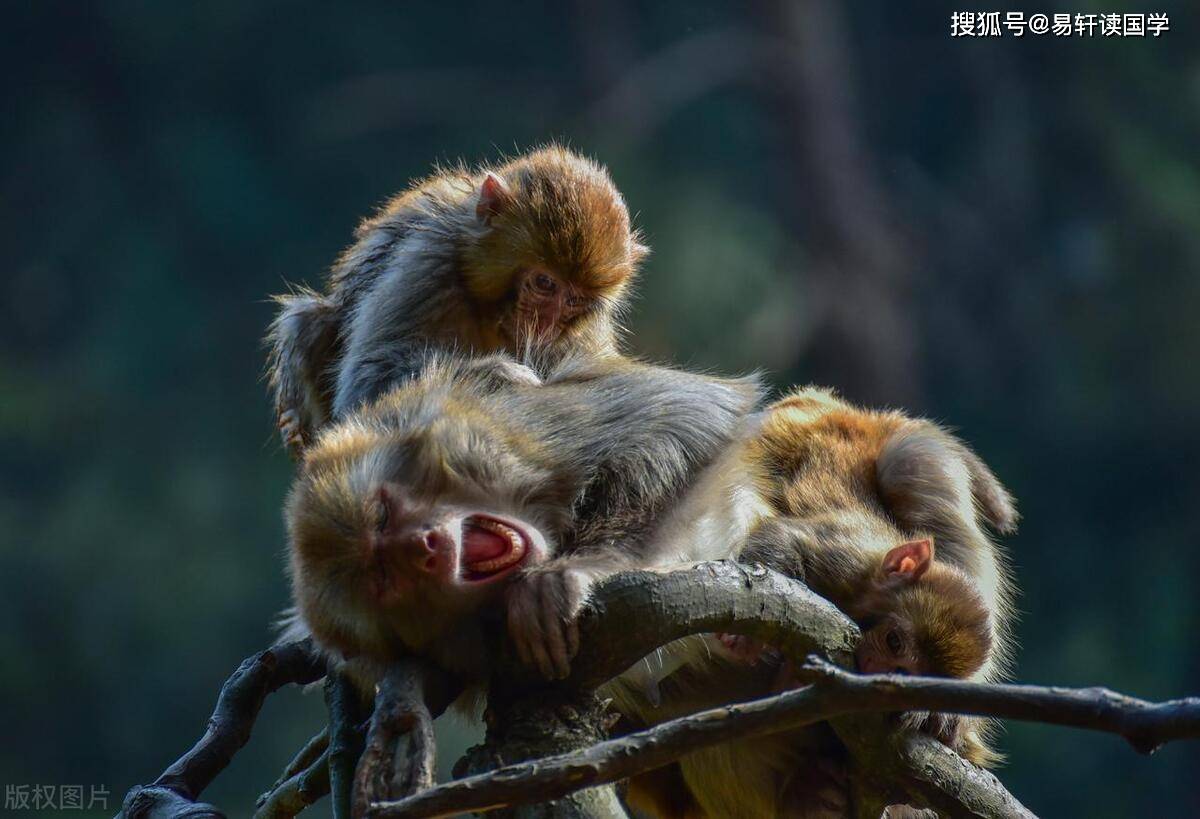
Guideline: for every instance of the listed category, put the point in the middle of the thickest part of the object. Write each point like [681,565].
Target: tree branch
[634,613]
[630,616]
[1147,726]
[410,696]
[303,782]
[346,717]
[832,693]
[174,793]
[301,788]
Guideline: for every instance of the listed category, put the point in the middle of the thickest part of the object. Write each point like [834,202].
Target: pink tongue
[481,544]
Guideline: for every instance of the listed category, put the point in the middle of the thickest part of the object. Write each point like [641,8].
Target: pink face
[462,552]
[547,303]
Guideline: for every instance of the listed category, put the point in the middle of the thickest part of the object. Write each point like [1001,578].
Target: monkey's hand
[543,609]
[501,370]
[820,789]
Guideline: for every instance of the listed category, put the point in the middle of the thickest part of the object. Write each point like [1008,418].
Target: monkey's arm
[303,343]
[610,536]
[366,377]
[829,553]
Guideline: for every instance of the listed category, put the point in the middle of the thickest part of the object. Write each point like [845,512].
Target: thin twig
[294,787]
[1146,725]
[303,788]
[834,692]
[303,759]
[238,704]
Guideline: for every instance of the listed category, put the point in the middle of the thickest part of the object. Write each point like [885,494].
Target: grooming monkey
[456,489]
[857,504]
[532,258]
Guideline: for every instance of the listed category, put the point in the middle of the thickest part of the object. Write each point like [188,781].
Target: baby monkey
[883,515]
[457,489]
[532,258]
[862,499]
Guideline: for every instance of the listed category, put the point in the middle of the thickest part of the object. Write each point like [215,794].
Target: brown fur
[583,465]
[564,214]
[436,269]
[843,486]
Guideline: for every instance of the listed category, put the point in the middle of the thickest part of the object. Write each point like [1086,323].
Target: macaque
[884,516]
[533,258]
[458,492]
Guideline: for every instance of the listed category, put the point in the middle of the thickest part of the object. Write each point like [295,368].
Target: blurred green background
[1003,234]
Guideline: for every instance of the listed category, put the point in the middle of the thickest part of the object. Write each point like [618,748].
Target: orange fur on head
[559,211]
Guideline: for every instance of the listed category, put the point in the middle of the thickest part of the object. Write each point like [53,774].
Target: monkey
[534,257]
[855,503]
[456,493]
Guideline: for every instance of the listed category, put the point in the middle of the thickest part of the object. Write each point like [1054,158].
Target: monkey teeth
[490,546]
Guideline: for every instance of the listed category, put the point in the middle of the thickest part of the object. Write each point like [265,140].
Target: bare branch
[241,698]
[1147,726]
[410,696]
[833,693]
[346,717]
[636,612]
[302,788]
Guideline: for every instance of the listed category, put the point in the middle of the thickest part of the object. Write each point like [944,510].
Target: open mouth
[490,547]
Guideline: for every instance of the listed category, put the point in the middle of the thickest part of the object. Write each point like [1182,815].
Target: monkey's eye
[894,642]
[545,283]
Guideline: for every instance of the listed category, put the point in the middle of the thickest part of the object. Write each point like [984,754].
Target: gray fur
[591,458]
[392,296]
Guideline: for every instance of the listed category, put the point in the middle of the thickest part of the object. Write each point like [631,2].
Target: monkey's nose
[428,550]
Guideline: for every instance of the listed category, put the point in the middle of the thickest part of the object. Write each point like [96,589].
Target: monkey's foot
[291,430]
[820,789]
[543,609]
[945,728]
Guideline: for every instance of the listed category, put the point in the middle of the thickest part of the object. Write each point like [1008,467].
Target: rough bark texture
[346,739]
[545,754]
[241,698]
[292,795]
[400,754]
[635,613]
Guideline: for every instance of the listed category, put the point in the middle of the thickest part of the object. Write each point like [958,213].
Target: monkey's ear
[908,561]
[494,197]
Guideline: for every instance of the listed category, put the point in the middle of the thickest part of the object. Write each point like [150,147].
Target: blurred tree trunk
[859,267]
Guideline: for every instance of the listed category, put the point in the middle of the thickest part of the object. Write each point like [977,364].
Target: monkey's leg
[302,341]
